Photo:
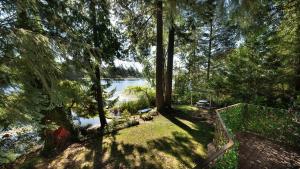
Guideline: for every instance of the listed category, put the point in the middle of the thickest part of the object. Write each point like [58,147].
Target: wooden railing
[223,140]
[275,124]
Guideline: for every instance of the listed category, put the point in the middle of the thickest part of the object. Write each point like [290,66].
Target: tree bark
[297,78]
[97,81]
[209,50]
[99,97]
[159,58]
[168,94]
[297,64]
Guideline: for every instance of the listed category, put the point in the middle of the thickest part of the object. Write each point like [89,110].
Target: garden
[278,125]
[149,84]
[163,142]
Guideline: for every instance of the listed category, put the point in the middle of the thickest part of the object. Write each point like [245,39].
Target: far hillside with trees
[122,72]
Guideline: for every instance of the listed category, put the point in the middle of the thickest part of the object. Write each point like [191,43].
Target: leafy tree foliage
[48,59]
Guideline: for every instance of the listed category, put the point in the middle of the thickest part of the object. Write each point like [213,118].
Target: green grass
[158,142]
[185,108]
[165,142]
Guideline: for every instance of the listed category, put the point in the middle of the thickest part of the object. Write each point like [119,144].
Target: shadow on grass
[120,155]
[202,133]
[108,152]
[98,150]
[180,147]
[156,153]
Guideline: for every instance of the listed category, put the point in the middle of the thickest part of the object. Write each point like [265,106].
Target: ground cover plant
[276,124]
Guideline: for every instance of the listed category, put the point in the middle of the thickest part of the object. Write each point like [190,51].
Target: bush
[146,117]
[153,112]
[133,106]
[146,92]
[229,160]
[118,125]
[126,114]
[132,122]
[151,98]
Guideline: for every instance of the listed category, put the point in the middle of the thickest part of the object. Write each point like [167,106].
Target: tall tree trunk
[99,97]
[97,81]
[209,50]
[168,94]
[297,66]
[159,58]
[297,63]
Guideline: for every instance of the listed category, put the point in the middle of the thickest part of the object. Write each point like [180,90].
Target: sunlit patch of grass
[162,142]
[185,108]
[156,144]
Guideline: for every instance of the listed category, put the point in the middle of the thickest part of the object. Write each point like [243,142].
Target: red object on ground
[61,137]
[6,135]
[61,133]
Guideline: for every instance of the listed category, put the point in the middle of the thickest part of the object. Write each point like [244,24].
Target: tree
[159,57]
[52,70]
[219,34]
[97,79]
[170,51]
[169,74]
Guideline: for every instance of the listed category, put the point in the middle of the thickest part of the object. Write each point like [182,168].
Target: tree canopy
[54,55]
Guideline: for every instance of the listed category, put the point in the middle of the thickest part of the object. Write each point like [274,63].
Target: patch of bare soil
[256,152]
[205,115]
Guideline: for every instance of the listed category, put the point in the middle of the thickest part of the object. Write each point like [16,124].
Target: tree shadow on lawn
[156,154]
[175,151]
[202,133]
[179,146]
[120,155]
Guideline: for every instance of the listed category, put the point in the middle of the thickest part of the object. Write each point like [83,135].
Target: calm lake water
[120,85]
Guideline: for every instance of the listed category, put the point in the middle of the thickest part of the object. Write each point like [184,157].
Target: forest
[117,84]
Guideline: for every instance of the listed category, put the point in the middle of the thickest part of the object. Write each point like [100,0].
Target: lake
[121,84]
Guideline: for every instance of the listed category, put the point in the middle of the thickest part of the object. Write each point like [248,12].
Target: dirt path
[258,153]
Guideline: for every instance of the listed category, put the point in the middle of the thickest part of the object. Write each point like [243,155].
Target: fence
[276,124]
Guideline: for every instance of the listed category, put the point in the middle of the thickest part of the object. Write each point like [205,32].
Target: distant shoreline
[123,78]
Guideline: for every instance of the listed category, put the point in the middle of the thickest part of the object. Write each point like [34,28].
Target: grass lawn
[185,108]
[165,142]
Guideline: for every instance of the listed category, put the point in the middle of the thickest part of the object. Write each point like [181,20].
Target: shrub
[153,112]
[126,114]
[149,116]
[118,125]
[229,160]
[132,122]
[133,106]
[147,93]
[146,117]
